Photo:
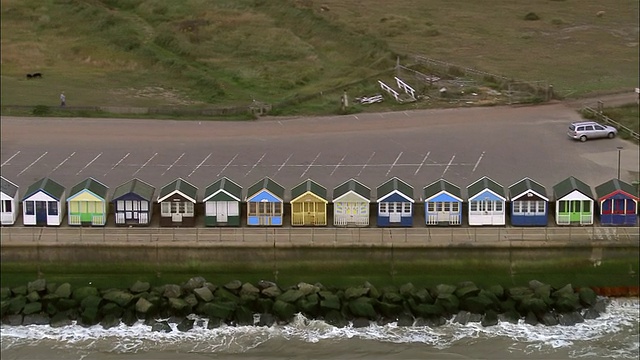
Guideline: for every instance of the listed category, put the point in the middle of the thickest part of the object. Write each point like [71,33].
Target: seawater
[615,335]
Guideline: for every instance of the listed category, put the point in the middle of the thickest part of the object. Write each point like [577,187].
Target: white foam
[619,326]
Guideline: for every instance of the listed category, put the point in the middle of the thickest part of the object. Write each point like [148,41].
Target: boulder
[363,307]
[185,325]
[565,302]
[249,289]
[443,289]
[392,297]
[264,306]
[531,319]
[498,291]
[361,322]
[518,293]
[203,293]
[389,310]
[543,292]
[81,293]
[13,320]
[33,296]
[63,291]
[233,285]
[428,310]
[507,305]
[475,318]
[407,290]
[172,291]
[590,314]
[587,296]
[220,310]
[309,305]
[565,290]
[244,316]
[89,316]
[570,319]
[211,287]
[283,310]
[307,289]
[291,296]
[448,302]
[432,321]
[51,288]
[36,319]
[263,284]
[5,293]
[405,320]
[194,283]
[271,292]
[355,292]
[17,304]
[139,287]
[226,295]
[266,319]
[535,305]
[179,306]
[110,321]
[335,318]
[467,291]
[161,326]
[191,300]
[214,323]
[534,284]
[122,298]
[4,307]
[462,317]
[60,320]
[373,291]
[129,317]
[423,296]
[601,305]
[330,302]
[143,306]
[20,290]
[490,318]
[548,319]
[111,309]
[37,285]
[476,304]
[510,316]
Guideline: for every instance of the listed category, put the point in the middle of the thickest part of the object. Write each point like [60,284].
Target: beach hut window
[120,205]
[431,206]
[53,208]
[455,207]
[144,206]
[406,208]
[29,208]
[6,206]
[383,208]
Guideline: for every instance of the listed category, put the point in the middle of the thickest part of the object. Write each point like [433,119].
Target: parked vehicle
[585,130]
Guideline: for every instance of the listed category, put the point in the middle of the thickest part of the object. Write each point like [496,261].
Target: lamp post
[619,150]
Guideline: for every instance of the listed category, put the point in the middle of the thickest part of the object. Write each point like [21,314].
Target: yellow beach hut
[309,204]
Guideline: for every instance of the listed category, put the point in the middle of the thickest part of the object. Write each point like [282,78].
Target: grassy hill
[230,52]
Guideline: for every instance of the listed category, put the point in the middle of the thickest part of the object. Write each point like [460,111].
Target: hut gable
[309,187]
[223,190]
[137,187]
[483,184]
[352,186]
[47,186]
[569,185]
[180,187]
[395,186]
[439,187]
[527,186]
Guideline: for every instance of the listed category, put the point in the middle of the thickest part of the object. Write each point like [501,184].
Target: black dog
[34,76]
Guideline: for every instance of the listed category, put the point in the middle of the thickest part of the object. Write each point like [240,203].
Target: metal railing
[323,236]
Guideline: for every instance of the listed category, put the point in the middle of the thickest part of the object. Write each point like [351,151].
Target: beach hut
[9,201]
[574,202]
[529,203]
[442,203]
[177,202]
[395,203]
[351,201]
[309,204]
[43,203]
[222,203]
[486,202]
[265,203]
[87,203]
[132,203]
[618,203]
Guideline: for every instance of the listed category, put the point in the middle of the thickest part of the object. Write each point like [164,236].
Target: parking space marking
[310,165]
[89,163]
[256,164]
[118,163]
[477,163]
[394,163]
[448,165]
[9,159]
[367,163]
[63,161]
[145,164]
[283,164]
[170,166]
[226,166]
[422,163]
[338,165]
[197,167]
[30,165]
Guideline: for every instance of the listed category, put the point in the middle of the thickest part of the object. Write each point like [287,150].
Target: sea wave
[613,335]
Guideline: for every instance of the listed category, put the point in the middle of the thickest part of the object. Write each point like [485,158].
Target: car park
[586,130]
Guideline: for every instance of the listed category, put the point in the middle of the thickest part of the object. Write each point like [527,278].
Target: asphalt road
[421,146]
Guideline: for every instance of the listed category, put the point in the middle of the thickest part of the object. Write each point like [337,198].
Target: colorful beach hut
[395,203]
[442,203]
[132,203]
[177,202]
[618,203]
[9,201]
[486,202]
[222,203]
[574,202]
[529,203]
[309,204]
[265,203]
[43,203]
[87,203]
[351,201]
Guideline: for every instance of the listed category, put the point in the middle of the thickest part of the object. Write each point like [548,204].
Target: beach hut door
[222,211]
[41,212]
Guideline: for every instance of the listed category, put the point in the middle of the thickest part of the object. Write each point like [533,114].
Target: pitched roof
[523,186]
[179,185]
[135,186]
[485,183]
[309,186]
[568,185]
[226,185]
[611,186]
[268,184]
[441,185]
[7,187]
[394,184]
[91,184]
[352,185]
[46,185]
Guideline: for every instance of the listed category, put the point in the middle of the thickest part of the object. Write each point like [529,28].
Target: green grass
[147,53]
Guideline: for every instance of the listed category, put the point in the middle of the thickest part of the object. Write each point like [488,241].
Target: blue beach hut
[395,203]
[265,203]
[529,203]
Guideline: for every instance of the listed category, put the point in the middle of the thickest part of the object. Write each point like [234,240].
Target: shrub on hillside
[532,16]
[41,110]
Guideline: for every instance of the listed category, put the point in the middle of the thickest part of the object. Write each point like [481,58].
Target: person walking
[63,100]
